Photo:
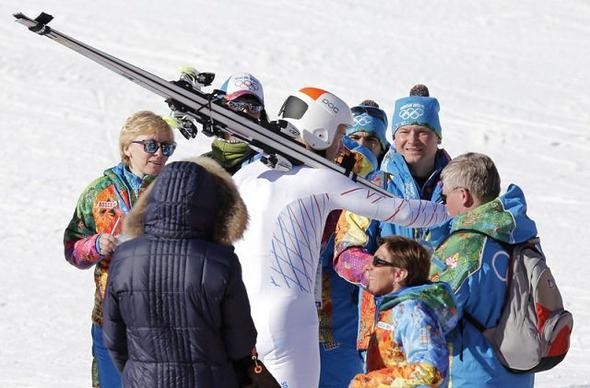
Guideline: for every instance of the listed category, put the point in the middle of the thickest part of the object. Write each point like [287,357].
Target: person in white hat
[244,94]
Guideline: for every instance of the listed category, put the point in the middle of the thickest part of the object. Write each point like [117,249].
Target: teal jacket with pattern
[475,264]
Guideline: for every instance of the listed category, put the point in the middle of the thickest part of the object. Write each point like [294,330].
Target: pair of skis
[189,103]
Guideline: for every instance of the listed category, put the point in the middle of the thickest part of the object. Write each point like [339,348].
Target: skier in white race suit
[280,250]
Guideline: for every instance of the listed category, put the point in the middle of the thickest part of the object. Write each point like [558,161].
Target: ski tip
[43,17]
[38,25]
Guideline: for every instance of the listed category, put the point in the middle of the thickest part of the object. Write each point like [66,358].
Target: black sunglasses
[152,146]
[379,262]
[240,106]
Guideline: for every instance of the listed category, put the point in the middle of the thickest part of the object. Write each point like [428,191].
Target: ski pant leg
[108,375]
[288,336]
[295,358]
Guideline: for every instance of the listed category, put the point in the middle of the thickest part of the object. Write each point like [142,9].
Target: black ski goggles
[241,106]
[152,146]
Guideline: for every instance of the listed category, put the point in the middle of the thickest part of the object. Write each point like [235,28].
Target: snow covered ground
[509,76]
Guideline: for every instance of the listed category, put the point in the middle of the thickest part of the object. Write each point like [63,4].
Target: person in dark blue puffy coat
[176,312]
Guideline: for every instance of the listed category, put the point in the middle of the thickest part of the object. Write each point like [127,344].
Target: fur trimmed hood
[190,199]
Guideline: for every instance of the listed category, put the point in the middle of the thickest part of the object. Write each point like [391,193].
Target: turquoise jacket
[476,267]
[403,184]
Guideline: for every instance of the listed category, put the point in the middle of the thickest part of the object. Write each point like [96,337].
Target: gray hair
[475,172]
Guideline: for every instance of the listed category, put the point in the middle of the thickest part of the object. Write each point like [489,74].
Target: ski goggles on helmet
[241,106]
[152,146]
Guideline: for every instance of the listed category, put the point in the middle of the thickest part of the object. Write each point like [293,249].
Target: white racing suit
[280,254]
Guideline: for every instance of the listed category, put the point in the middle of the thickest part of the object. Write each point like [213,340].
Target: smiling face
[143,163]
[144,126]
[418,145]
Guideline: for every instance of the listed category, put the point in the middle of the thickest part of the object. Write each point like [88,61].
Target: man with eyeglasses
[475,262]
[146,142]
[410,169]
[243,94]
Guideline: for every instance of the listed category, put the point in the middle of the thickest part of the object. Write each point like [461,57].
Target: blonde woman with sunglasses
[146,142]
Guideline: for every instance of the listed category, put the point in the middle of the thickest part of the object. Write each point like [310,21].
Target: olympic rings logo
[411,113]
[363,119]
[246,84]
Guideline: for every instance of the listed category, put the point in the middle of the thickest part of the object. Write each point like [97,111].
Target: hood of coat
[195,199]
[504,219]
[437,296]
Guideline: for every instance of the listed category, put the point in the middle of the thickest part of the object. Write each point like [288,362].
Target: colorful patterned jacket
[101,209]
[338,310]
[357,237]
[476,267]
[408,347]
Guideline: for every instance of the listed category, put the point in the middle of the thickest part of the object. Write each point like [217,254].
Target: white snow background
[511,77]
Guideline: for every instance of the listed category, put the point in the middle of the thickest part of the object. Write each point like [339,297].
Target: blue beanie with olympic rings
[368,117]
[417,110]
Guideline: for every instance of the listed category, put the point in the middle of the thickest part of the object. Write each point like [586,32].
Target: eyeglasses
[152,146]
[379,262]
[443,197]
[241,106]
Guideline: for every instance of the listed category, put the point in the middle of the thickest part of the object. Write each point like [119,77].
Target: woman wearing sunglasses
[145,144]
[407,347]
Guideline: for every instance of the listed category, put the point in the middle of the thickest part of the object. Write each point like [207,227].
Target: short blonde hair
[141,123]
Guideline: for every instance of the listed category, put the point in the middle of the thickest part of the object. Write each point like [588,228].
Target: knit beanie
[368,117]
[417,109]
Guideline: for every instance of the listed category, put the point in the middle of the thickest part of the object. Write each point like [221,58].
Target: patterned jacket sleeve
[424,346]
[80,235]
[354,240]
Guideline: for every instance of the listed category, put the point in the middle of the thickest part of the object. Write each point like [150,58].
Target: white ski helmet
[317,114]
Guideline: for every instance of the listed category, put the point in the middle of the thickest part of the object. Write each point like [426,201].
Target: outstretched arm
[368,203]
